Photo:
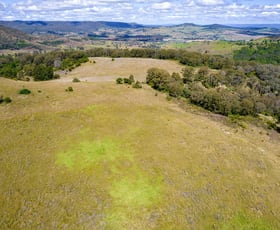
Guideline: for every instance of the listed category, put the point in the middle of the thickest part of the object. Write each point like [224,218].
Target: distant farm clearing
[106,69]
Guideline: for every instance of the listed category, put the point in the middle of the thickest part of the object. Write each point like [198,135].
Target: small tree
[137,85]
[131,78]
[119,80]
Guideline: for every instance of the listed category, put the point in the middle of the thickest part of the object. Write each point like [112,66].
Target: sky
[148,12]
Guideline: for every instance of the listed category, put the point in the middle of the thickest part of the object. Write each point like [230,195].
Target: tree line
[219,84]
[41,67]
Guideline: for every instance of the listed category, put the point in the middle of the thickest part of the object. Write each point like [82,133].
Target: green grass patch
[133,198]
[88,153]
[139,192]
[242,221]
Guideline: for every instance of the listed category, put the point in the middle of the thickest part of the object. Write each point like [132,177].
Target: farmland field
[108,156]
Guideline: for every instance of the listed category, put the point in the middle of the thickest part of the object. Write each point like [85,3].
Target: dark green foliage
[267,52]
[25,91]
[56,76]
[137,85]
[119,80]
[10,69]
[161,80]
[40,66]
[43,72]
[7,100]
[127,81]
[158,78]
[234,91]
[76,80]
[69,89]
[188,73]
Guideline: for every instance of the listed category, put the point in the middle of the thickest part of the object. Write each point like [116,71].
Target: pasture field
[108,156]
[212,47]
[121,67]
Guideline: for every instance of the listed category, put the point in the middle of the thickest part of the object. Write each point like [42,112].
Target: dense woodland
[266,52]
[216,83]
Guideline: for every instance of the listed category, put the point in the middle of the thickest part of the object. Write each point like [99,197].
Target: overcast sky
[145,12]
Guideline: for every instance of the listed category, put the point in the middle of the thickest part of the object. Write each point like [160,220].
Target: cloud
[272,13]
[210,2]
[2,5]
[143,11]
[161,6]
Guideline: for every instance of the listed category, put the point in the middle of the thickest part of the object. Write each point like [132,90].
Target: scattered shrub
[119,80]
[127,81]
[56,76]
[76,80]
[131,78]
[24,91]
[7,100]
[69,89]
[137,85]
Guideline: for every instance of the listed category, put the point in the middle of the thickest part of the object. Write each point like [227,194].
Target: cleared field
[212,47]
[107,156]
[104,69]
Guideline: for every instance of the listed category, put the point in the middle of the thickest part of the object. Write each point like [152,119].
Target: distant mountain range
[17,34]
[66,26]
[56,27]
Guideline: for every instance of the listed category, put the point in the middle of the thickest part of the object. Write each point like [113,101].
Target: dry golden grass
[108,156]
[107,70]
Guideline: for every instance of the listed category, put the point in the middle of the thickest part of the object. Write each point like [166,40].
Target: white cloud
[161,6]
[272,13]
[143,11]
[210,2]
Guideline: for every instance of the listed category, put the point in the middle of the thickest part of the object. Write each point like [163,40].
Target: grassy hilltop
[108,156]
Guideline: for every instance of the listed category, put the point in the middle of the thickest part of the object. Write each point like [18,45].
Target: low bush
[69,89]
[137,85]
[119,80]
[76,80]
[7,100]
[24,91]
[127,81]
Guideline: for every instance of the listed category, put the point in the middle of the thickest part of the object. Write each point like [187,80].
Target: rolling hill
[131,31]
[13,38]
[108,156]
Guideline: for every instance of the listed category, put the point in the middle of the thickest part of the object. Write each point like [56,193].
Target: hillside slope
[107,156]
[12,38]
